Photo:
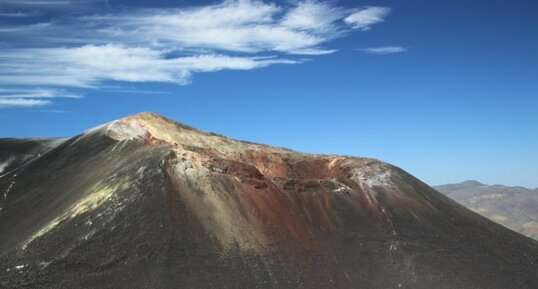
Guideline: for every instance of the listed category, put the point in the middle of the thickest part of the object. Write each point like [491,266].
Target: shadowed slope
[144,202]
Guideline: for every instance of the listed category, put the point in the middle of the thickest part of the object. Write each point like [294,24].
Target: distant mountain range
[513,207]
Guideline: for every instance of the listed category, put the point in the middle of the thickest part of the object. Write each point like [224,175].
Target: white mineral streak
[5,164]
[95,198]
[369,177]
[341,189]
[6,193]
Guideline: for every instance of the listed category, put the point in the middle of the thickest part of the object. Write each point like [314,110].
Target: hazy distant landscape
[513,207]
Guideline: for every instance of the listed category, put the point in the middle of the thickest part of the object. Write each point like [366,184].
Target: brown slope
[144,202]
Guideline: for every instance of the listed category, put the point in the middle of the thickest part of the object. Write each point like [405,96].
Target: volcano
[145,202]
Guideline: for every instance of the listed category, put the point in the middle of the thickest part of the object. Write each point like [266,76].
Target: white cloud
[365,18]
[22,102]
[237,26]
[169,45]
[28,97]
[313,16]
[36,2]
[89,65]
[36,93]
[17,14]
[55,110]
[134,91]
[47,3]
[384,49]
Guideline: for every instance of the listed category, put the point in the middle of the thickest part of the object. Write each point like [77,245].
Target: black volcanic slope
[15,152]
[144,202]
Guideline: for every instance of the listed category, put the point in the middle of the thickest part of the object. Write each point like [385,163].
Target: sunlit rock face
[145,202]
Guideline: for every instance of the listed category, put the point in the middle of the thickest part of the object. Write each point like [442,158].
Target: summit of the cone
[150,128]
[149,118]
[154,129]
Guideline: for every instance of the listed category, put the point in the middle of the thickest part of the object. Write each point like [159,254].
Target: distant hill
[513,207]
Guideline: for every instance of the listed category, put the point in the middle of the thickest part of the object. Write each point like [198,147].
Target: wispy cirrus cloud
[29,97]
[47,3]
[171,45]
[365,18]
[36,2]
[36,93]
[383,50]
[17,14]
[22,102]
[90,65]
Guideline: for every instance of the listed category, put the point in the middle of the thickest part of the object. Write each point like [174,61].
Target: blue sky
[447,90]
